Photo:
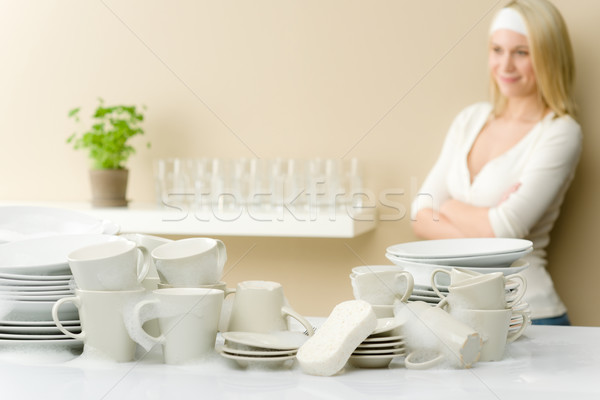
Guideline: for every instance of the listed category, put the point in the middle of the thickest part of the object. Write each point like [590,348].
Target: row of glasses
[263,184]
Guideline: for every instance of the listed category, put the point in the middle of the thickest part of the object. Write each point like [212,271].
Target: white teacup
[188,319]
[147,243]
[481,292]
[103,327]
[260,306]
[455,276]
[449,338]
[493,326]
[380,285]
[116,265]
[190,262]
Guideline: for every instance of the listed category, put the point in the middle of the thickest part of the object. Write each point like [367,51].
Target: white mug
[102,315]
[260,306]
[190,262]
[188,319]
[116,265]
[481,292]
[147,243]
[380,286]
[448,338]
[493,326]
[455,276]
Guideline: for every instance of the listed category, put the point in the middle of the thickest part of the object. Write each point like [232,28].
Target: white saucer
[379,352]
[35,279]
[258,353]
[372,361]
[38,330]
[384,345]
[282,340]
[34,289]
[385,325]
[382,339]
[44,343]
[24,337]
[39,323]
[19,296]
[15,310]
[246,361]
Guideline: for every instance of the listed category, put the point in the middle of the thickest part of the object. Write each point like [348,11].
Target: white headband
[509,18]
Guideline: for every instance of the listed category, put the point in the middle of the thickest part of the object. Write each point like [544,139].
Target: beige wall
[380,81]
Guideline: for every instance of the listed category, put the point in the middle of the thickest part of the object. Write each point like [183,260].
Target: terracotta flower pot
[109,187]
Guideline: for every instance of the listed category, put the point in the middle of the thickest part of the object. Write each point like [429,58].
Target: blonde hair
[551,55]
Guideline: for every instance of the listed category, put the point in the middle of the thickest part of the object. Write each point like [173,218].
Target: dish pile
[268,349]
[34,272]
[381,347]
[478,255]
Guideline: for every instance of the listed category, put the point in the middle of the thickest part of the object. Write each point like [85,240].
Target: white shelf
[149,218]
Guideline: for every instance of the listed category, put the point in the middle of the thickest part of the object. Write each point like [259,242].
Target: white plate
[382,339]
[379,352]
[245,361]
[258,353]
[35,280]
[38,330]
[426,299]
[46,255]
[282,340]
[25,324]
[36,289]
[490,260]
[370,361]
[385,325]
[43,343]
[464,247]
[16,336]
[24,222]
[33,298]
[35,311]
[381,345]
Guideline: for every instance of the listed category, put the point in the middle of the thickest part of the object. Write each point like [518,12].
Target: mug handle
[229,291]
[77,302]
[522,287]
[514,336]
[287,311]
[143,265]
[137,325]
[222,252]
[408,363]
[410,284]
[433,285]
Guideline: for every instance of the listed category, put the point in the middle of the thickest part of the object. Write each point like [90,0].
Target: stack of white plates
[34,274]
[268,349]
[381,347]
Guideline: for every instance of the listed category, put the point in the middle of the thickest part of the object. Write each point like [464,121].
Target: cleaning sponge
[328,350]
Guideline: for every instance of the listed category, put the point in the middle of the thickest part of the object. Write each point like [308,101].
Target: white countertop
[546,363]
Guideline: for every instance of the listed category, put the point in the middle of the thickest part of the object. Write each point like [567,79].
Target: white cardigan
[543,162]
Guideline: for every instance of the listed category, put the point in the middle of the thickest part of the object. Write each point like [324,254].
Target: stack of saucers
[381,347]
[266,349]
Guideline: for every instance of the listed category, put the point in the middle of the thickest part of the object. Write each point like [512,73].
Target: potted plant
[107,142]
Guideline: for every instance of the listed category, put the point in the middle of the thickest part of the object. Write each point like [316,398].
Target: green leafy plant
[108,138]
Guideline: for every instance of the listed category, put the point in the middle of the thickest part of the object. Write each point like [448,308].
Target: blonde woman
[505,165]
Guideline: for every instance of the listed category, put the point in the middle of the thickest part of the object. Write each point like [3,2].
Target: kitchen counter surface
[547,362]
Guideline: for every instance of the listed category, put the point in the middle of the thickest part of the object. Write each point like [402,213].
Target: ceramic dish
[372,361]
[16,336]
[246,361]
[381,339]
[39,323]
[45,255]
[72,344]
[283,340]
[35,311]
[37,330]
[38,280]
[379,352]
[385,325]
[35,289]
[7,296]
[258,353]
[380,345]
[458,248]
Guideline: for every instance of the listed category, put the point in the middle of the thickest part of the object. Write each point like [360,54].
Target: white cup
[260,306]
[455,276]
[448,338]
[190,262]
[493,327]
[147,243]
[188,319]
[116,265]
[381,285]
[103,327]
[480,292]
